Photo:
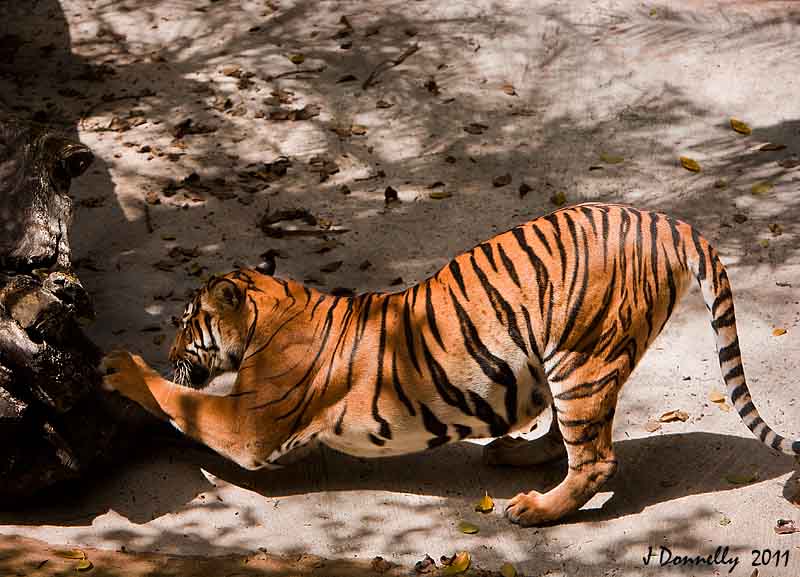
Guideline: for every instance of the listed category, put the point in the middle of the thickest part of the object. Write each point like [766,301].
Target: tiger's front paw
[124,373]
[525,509]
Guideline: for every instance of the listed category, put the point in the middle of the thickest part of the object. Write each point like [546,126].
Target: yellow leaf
[468,528]
[740,127]
[762,187]
[690,164]
[358,129]
[559,199]
[611,159]
[84,565]
[725,407]
[716,397]
[440,194]
[459,565]
[725,521]
[778,332]
[485,505]
[508,570]
[297,58]
[71,554]
[671,416]
[764,242]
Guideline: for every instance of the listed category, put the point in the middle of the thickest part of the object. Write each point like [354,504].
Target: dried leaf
[524,189]
[725,521]
[721,183]
[740,127]
[716,397]
[742,478]
[358,129]
[611,159]
[739,218]
[343,189]
[770,146]
[390,195]
[425,565]
[380,565]
[652,426]
[331,266]
[559,198]
[724,407]
[785,527]
[764,243]
[778,332]
[297,58]
[475,128]
[71,554]
[509,89]
[440,194]
[84,565]
[508,570]
[690,164]
[347,78]
[468,528]
[459,564]
[383,104]
[485,505]
[789,163]
[151,197]
[676,415]
[776,229]
[762,187]
[501,180]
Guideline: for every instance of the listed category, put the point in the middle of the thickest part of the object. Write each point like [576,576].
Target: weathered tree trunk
[54,422]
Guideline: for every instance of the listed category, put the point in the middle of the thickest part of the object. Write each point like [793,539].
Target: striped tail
[716,290]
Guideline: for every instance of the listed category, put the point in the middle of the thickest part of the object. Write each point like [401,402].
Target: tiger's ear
[225,296]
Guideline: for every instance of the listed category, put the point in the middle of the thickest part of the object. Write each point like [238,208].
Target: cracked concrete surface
[646,82]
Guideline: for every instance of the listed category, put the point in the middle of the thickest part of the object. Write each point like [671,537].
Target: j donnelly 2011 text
[664,557]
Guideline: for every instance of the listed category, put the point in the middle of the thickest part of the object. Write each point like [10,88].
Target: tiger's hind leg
[585,412]
[520,452]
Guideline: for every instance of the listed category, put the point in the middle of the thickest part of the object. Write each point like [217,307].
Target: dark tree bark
[54,421]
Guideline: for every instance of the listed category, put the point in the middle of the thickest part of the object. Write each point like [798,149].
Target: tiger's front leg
[222,423]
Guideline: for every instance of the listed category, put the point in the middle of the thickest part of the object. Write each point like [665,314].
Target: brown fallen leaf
[739,218]
[426,565]
[383,104]
[358,129]
[652,426]
[785,527]
[776,229]
[716,397]
[501,180]
[347,78]
[509,89]
[468,528]
[458,564]
[296,58]
[724,407]
[475,128]
[524,189]
[675,415]
[740,127]
[485,505]
[508,570]
[771,146]
[380,565]
[778,332]
[559,198]
[789,163]
[689,164]
[390,195]
[343,189]
[331,266]
[431,86]
[762,187]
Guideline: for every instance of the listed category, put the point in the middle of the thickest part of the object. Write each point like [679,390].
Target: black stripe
[376,440]
[602,420]
[314,310]
[654,248]
[493,367]
[737,371]
[776,442]
[450,394]
[487,251]
[251,330]
[408,330]
[542,238]
[730,351]
[455,270]
[589,214]
[361,327]
[542,276]
[739,391]
[726,320]
[401,394]
[434,426]
[502,310]
[385,430]
[432,315]
[463,431]
[553,220]
[701,257]
[604,239]
[483,410]
[588,389]
[721,299]
[338,428]
[531,336]
[747,409]
[507,262]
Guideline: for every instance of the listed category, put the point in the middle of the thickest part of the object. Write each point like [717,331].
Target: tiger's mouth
[191,375]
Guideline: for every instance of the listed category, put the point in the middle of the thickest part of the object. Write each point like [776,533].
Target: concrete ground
[595,99]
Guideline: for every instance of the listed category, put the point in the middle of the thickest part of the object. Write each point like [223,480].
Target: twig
[387,64]
[298,71]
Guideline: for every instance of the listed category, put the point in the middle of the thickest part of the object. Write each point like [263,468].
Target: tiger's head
[212,332]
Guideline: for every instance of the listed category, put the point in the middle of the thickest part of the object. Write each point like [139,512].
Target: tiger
[547,318]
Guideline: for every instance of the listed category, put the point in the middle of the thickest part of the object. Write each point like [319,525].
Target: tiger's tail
[710,273]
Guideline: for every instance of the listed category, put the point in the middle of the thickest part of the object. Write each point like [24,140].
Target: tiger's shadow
[652,470]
